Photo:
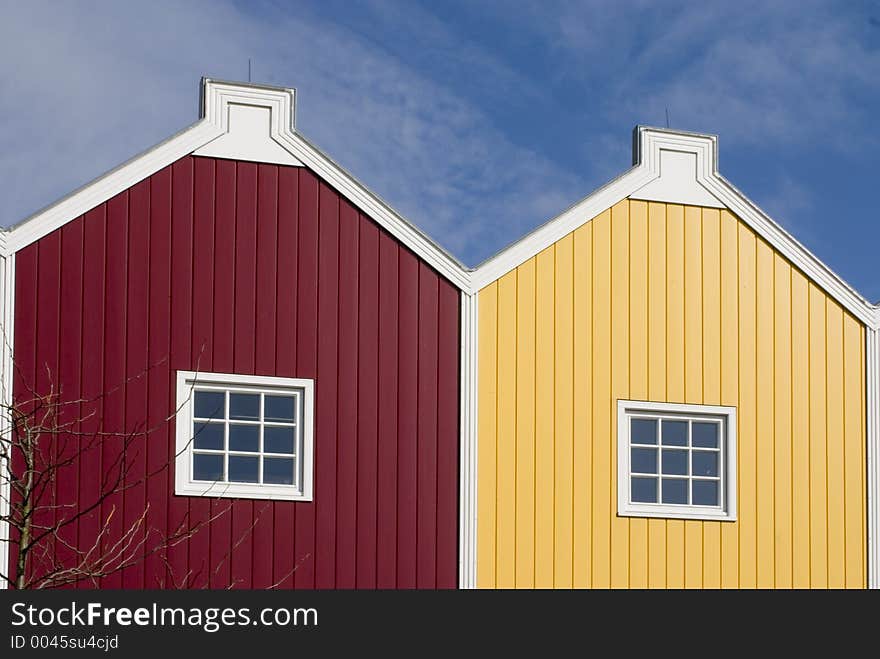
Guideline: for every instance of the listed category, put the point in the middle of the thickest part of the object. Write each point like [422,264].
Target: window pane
[244,406]
[643,460]
[279,408]
[704,435]
[675,490]
[278,471]
[278,440]
[243,469]
[244,438]
[675,433]
[705,463]
[705,493]
[209,404]
[643,431]
[207,467]
[675,462]
[644,490]
[208,435]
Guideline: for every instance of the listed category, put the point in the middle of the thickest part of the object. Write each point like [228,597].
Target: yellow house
[671,392]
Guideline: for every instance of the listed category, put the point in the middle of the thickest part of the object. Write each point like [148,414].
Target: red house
[269,349]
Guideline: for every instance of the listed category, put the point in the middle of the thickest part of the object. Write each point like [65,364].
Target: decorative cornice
[251,120]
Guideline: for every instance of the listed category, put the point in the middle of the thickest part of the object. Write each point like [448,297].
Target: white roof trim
[110,184]
[217,98]
[664,163]
[645,180]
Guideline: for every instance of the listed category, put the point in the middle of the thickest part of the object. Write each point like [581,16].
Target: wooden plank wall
[681,304]
[235,267]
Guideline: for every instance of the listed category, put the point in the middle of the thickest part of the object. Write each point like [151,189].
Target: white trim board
[664,161]
[872,420]
[467,534]
[218,133]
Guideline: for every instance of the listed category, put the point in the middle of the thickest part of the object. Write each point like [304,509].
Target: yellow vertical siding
[582,402]
[729,257]
[563,421]
[656,294]
[638,366]
[678,304]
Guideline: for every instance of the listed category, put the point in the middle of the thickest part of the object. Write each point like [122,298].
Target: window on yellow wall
[676,461]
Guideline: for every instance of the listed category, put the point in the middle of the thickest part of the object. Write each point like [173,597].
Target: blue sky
[476,120]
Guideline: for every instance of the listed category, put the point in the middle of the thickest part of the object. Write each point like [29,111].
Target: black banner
[126,623]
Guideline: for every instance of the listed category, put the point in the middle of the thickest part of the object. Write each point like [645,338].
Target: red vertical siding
[136,365]
[407,419]
[387,389]
[92,365]
[202,342]
[160,482]
[367,418]
[222,338]
[69,374]
[287,235]
[347,427]
[115,320]
[308,359]
[216,265]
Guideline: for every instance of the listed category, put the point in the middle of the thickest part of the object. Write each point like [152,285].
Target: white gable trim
[220,101]
[645,180]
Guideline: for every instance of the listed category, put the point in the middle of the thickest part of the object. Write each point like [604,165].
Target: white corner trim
[467,554]
[250,130]
[7,302]
[872,368]
[725,415]
[184,485]
[678,183]
[649,147]
[217,99]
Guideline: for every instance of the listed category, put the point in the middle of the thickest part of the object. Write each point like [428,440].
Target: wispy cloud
[755,71]
[475,121]
[430,152]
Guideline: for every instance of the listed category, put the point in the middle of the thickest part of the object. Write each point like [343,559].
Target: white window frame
[187,381]
[726,511]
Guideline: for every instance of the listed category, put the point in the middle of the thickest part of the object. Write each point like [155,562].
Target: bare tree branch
[46,436]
